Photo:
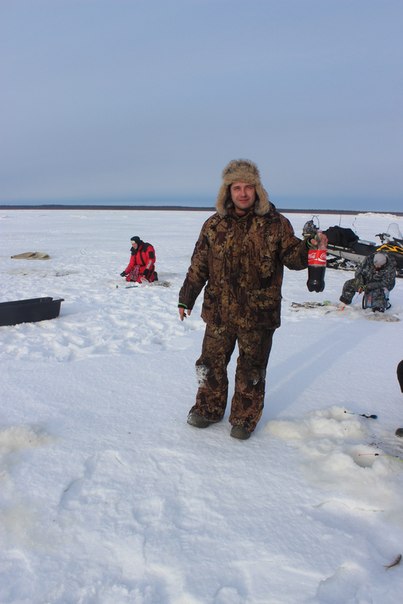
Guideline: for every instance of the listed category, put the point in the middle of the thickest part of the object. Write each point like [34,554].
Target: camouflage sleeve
[198,272]
[364,270]
[294,251]
[389,278]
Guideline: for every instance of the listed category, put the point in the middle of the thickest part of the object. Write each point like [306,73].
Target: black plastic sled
[27,311]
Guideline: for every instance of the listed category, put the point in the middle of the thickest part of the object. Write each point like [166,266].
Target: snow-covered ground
[107,496]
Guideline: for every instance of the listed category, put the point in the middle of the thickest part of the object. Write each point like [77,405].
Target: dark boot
[240,432]
[198,421]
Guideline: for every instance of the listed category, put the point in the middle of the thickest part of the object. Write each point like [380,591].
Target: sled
[346,251]
[341,310]
[31,310]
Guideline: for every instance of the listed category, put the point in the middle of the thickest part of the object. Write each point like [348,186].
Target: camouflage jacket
[369,278]
[241,262]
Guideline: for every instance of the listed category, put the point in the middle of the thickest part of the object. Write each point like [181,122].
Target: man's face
[134,245]
[243,196]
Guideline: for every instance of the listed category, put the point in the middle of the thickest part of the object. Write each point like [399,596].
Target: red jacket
[142,264]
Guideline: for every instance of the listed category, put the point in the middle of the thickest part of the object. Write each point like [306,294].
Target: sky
[133,101]
[108,496]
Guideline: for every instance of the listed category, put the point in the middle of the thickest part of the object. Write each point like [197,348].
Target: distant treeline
[183,209]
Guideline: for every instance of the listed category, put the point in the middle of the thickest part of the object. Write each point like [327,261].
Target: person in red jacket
[142,262]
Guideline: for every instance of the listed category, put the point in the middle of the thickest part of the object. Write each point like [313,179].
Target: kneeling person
[142,262]
[376,277]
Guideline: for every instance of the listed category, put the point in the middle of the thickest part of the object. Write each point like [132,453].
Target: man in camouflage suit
[240,256]
[376,277]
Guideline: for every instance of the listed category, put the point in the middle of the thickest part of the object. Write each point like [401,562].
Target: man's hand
[319,241]
[184,312]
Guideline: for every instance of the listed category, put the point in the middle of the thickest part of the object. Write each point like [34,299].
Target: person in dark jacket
[239,256]
[375,276]
[141,266]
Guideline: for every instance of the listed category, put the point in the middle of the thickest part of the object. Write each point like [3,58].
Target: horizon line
[120,207]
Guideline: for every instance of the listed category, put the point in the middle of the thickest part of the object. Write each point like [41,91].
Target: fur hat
[379,260]
[241,170]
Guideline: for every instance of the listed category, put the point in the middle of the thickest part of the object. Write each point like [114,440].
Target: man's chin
[242,211]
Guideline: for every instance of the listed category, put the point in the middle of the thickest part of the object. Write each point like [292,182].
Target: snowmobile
[346,250]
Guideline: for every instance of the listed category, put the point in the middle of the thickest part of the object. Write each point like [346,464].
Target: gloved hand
[123,274]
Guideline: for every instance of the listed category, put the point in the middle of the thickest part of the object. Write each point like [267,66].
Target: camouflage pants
[250,378]
[378,296]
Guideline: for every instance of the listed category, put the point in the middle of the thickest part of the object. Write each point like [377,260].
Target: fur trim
[241,170]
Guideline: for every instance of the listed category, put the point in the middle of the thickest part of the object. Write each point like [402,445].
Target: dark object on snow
[31,256]
[340,236]
[372,416]
[399,372]
[395,562]
[27,311]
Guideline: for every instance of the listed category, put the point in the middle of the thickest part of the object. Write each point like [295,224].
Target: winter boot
[240,432]
[198,421]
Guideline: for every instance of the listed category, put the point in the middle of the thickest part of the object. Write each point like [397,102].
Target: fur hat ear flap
[241,170]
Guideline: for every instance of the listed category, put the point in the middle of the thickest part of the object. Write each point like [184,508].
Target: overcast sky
[122,100]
